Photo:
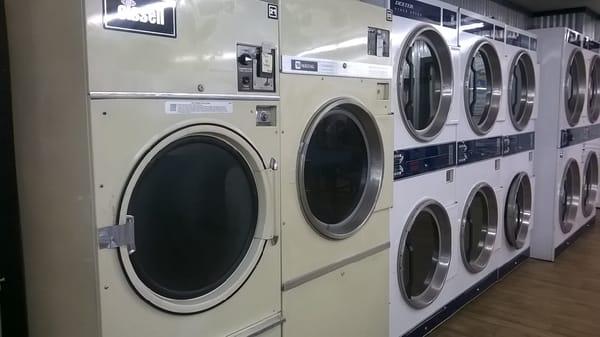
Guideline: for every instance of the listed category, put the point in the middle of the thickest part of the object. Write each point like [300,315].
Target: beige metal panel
[204,51]
[350,302]
[119,142]
[304,250]
[49,87]
[331,30]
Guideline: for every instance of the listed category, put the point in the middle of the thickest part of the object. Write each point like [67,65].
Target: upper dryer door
[574,87]
[168,46]
[594,90]
[521,90]
[425,82]
[482,86]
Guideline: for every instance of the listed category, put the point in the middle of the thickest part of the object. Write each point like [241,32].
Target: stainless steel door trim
[520,119]
[440,48]
[375,154]
[258,328]
[438,279]
[589,193]
[517,220]
[103,95]
[488,51]
[570,184]
[573,111]
[489,240]
[594,90]
[300,280]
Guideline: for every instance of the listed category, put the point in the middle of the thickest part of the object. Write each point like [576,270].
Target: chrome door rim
[244,270]
[493,107]
[527,109]
[440,48]
[570,175]
[438,279]
[590,186]
[483,259]
[573,114]
[517,217]
[594,90]
[375,154]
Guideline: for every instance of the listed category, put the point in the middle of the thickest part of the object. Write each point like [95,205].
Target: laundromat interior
[299,168]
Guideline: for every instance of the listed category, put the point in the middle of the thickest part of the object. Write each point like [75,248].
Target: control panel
[256,68]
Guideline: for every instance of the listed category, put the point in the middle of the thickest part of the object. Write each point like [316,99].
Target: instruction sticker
[214,107]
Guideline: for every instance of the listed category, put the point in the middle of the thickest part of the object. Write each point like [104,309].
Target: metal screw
[200,88]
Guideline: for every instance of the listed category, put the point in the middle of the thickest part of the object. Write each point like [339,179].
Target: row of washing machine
[268,168]
[567,138]
[464,179]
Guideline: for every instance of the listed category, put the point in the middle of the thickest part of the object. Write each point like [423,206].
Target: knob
[245,59]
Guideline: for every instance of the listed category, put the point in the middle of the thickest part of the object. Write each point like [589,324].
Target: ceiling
[534,6]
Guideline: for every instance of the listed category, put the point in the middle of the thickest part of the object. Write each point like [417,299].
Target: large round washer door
[425,83]
[517,219]
[340,169]
[483,87]
[575,82]
[478,228]
[521,90]
[590,184]
[424,254]
[200,199]
[594,90]
[568,196]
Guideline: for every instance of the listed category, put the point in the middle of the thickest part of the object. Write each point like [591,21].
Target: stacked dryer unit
[425,105]
[517,175]
[593,100]
[479,152]
[337,138]
[560,141]
[589,196]
[151,206]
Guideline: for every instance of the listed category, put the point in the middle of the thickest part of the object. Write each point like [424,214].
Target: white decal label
[213,107]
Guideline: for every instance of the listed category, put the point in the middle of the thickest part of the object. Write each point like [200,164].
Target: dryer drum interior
[575,83]
[568,203]
[521,90]
[594,90]
[517,219]
[424,254]
[340,169]
[590,184]
[200,207]
[479,225]
[425,83]
[483,87]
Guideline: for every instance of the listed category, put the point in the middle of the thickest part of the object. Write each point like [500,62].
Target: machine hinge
[113,237]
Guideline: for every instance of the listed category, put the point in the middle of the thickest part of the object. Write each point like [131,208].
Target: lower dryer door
[517,213]
[199,209]
[589,193]
[424,254]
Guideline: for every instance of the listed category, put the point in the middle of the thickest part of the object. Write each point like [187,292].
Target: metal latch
[116,236]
